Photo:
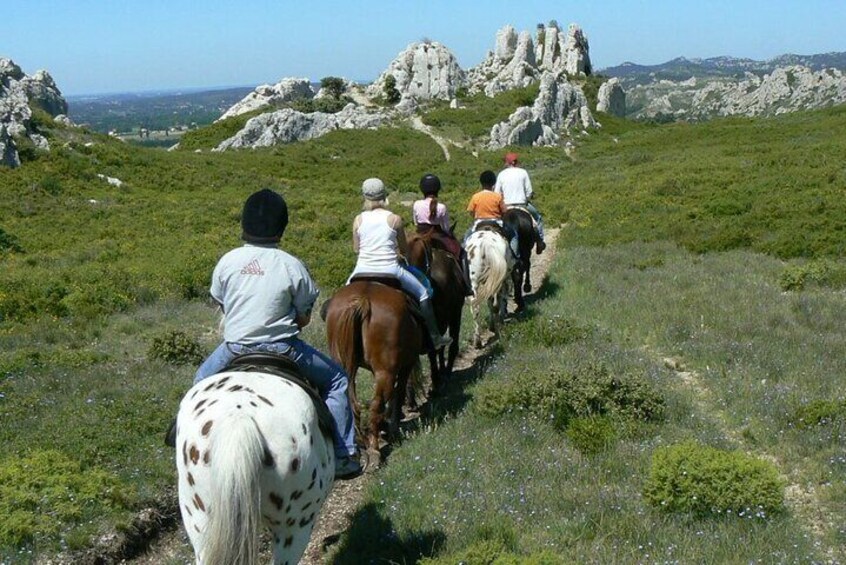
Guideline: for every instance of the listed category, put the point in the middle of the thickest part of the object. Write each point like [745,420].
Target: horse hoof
[527,288]
[372,460]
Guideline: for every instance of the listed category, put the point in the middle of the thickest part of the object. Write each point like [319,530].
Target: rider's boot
[438,340]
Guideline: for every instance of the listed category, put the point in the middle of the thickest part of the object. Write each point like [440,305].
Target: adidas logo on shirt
[252,268]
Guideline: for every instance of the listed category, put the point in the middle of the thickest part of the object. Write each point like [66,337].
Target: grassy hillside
[672,233]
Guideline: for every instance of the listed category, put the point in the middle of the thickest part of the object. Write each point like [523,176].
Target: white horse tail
[494,270]
[234,512]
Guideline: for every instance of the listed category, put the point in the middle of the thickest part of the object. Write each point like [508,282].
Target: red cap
[510,158]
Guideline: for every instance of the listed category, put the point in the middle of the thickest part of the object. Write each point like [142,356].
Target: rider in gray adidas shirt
[267,296]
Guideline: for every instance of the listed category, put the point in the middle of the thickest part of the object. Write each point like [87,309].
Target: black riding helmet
[430,185]
[264,218]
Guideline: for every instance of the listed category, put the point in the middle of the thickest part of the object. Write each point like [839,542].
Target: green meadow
[674,392]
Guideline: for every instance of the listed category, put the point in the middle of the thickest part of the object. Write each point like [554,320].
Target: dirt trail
[417,123]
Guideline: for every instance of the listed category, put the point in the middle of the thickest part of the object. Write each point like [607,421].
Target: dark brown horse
[371,325]
[444,272]
[521,222]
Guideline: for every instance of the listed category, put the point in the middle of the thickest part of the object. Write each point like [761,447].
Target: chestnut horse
[521,222]
[371,325]
[444,272]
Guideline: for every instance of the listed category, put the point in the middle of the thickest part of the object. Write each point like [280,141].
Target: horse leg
[476,308]
[527,268]
[396,402]
[454,330]
[356,408]
[384,387]
[434,372]
[516,279]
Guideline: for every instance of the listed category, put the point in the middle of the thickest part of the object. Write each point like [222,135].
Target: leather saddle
[491,225]
[285,368]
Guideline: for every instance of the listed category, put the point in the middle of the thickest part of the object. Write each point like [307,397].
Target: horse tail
[234,515]
[348,347]
[494,271]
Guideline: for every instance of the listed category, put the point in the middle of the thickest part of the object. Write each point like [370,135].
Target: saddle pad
[286,368]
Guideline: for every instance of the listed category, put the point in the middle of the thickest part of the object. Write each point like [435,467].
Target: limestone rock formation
[518,61]
[611,98]
[510,65]
[19,93]
[559,107]
[425,71]
[284,91]
[785,89]
[288,125]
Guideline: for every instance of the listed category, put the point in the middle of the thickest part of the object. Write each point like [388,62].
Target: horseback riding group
[271,422]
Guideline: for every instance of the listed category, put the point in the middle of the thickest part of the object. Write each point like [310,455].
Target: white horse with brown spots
[250,451]
[491,263]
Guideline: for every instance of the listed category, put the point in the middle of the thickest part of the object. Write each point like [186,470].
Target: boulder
[611,98]
[285,91]
[559,107]
[425,70]
[288,125]
[19,94]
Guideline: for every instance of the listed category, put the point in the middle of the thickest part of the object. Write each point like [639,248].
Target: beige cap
[374,189]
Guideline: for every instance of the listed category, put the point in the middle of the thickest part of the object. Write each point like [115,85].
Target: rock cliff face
[786,89]
[284,91]
[611,98]
[18,94]
[425,71]
[287,126]
[559,107]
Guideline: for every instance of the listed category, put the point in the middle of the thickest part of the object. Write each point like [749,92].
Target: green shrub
[821,273]
[9,243]
[392,95]
[551,332]
[45,489]
[176,347]
[51,185]
[491,552]
[701,480]
[590,434]
[818,413]
[564,395]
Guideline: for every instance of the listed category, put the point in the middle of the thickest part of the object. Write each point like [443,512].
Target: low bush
[46,490]
[563,396]
[176,348]
[212,135]
[551,332]
[821,273]
[819,413]
[702,480]
[591,434]
[491,552]
[9,243]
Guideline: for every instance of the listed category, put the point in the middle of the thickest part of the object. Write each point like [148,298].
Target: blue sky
[92,46]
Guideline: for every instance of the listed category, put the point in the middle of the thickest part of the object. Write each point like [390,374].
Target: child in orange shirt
[487,205]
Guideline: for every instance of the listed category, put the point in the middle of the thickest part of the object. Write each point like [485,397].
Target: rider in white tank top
[377,243]
[378,238]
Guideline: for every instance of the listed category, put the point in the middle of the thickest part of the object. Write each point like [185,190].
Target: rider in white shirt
[516,188]
[379,240]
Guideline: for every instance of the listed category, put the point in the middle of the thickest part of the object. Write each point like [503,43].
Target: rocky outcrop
[287,125]
[559,108]
[611,98]
[510,65]
[786,89]
[285,91]
[518,61]
[559,51]
[425,71]
[19,94]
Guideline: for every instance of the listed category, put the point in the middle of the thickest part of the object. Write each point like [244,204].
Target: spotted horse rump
[250,452]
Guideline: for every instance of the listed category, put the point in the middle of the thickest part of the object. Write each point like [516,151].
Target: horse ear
[324,309]
[452,227]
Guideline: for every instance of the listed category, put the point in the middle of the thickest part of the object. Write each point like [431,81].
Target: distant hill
[681,68]
[700,89]
[128,112]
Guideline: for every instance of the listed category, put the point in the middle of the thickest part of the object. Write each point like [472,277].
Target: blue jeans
[329,378]
[536,215]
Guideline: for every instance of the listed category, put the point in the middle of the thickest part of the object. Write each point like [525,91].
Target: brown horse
[371,325]
[444,272]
